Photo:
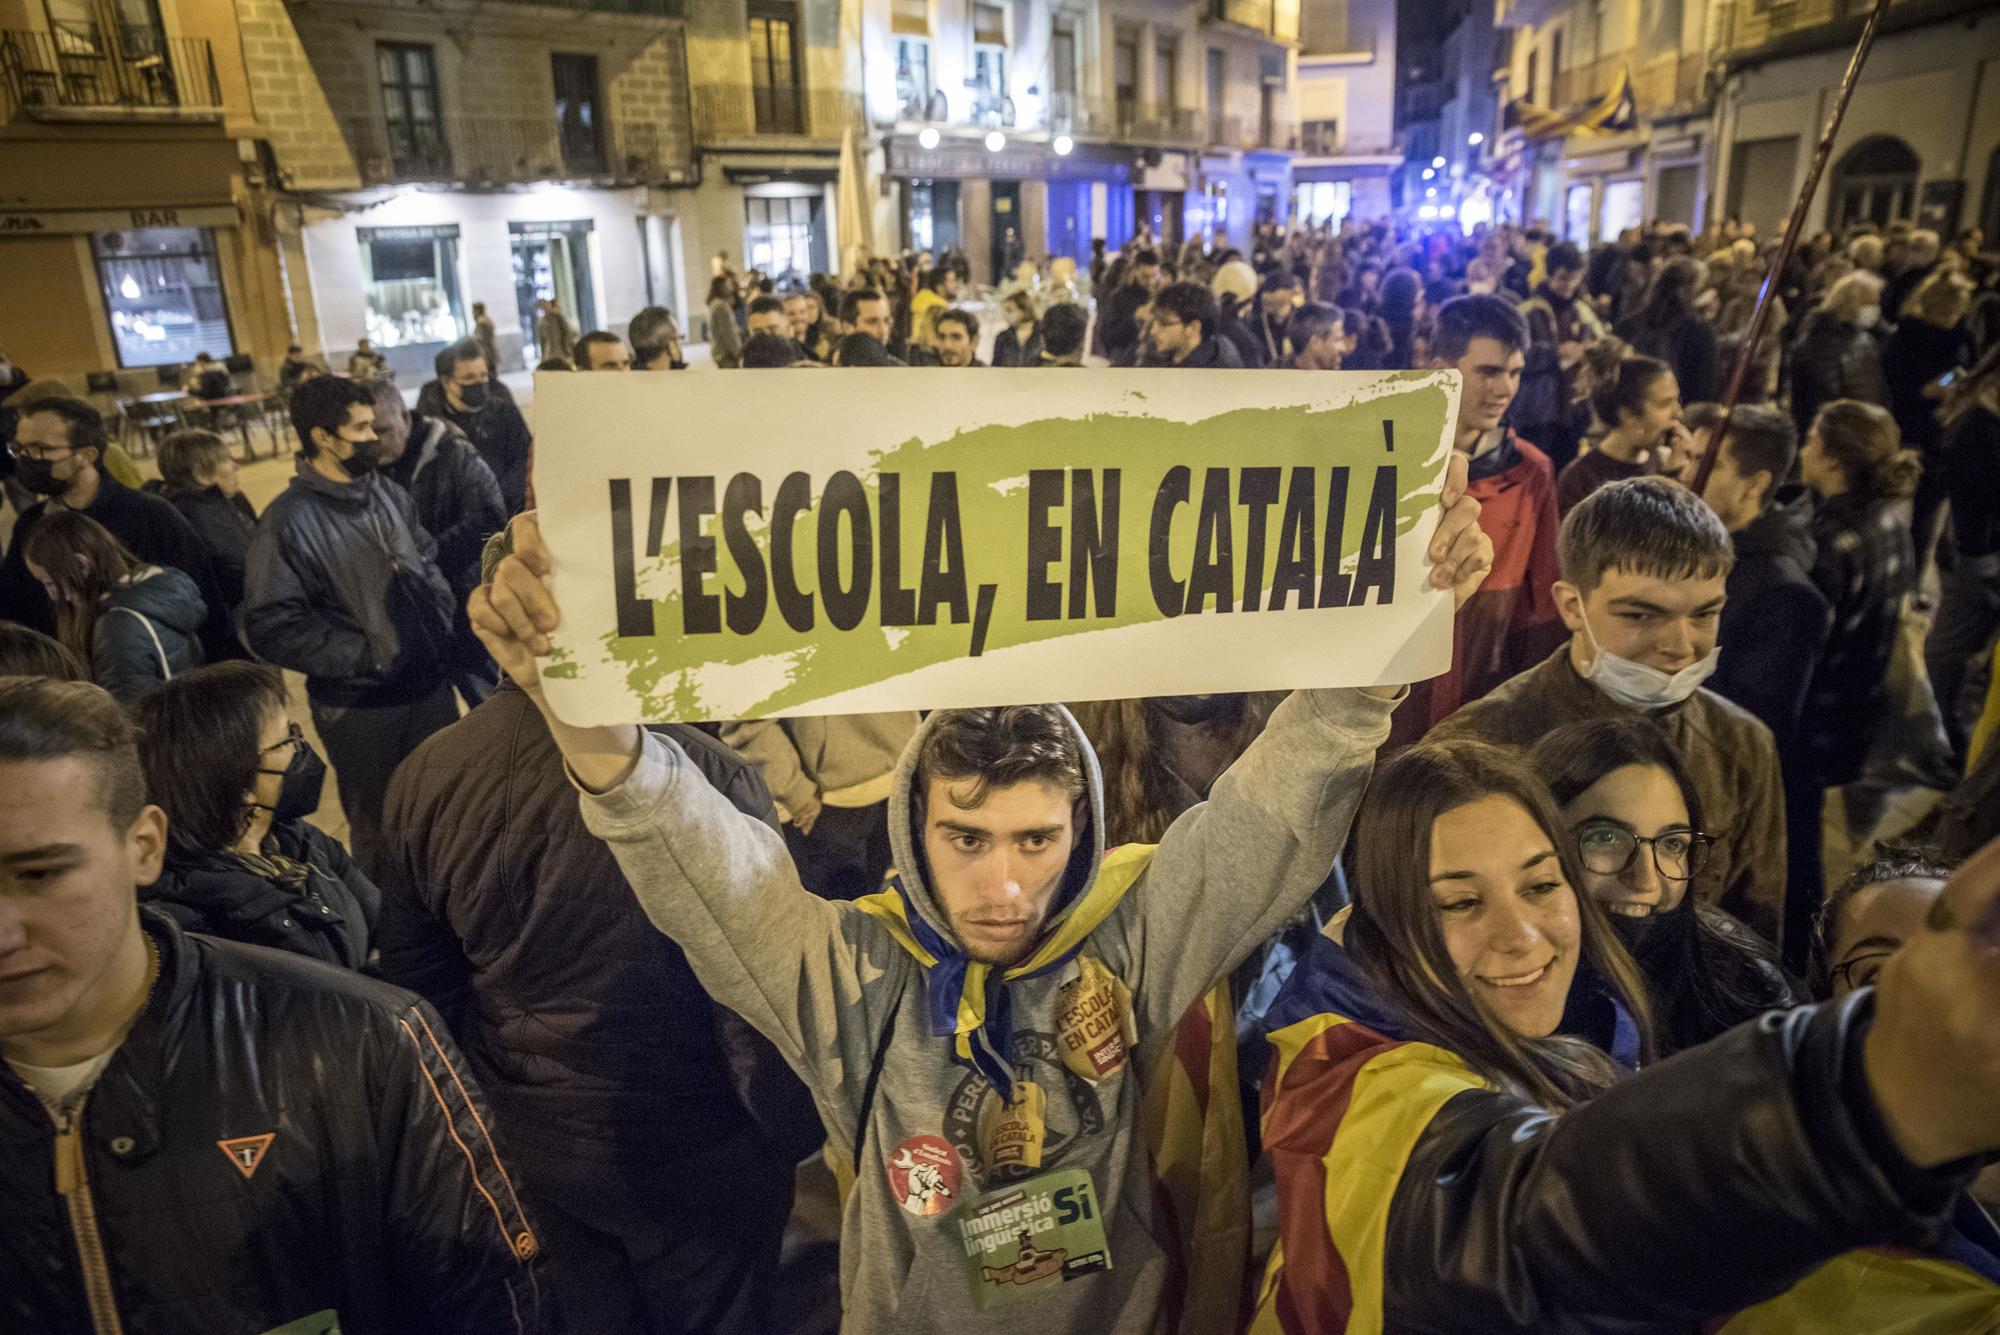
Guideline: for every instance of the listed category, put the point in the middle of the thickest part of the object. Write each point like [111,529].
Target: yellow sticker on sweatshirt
[1011,1134]
[1093,1019]
[1030,1240]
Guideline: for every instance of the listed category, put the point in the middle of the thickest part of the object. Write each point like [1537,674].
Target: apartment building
[1605,114]
[128,169]
[1921,138]
[1346,100]
[495,151]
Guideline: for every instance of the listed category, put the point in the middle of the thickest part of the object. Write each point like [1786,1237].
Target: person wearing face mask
[1460,1141]
[1635,823]
[58,452]
[343,586]
[1837,355]
[1644,567]
[237,779]
[458,501]
[466,397]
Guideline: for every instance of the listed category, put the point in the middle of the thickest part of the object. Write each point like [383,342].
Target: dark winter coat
[1912,357]
[1214,353]
[225,525]
[497,431]
[315,903]
[1774,625]
[606,1059]
[274,1140]
[1686,343]
[1548,392]
[458,499]
[1009,350]
[1866,567]
[344,587]
[1833,360]
[146,632]
[151,530]
[1972,479]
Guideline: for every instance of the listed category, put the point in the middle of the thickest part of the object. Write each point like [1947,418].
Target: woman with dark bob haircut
[237,778]
[1634,823]
[1460,1143]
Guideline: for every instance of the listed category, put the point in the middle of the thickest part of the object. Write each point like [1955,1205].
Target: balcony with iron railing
[1745,27]
[496,151]
[137,73]
[1658,83]
[744,111]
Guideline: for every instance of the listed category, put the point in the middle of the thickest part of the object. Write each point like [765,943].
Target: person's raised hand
[1933,1054]
[1460,552]
[514,612]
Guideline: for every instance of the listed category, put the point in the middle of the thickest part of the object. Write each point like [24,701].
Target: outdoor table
[240,402]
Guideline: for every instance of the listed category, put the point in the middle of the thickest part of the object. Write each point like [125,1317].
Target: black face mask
[1657,939]
[39,476]
[365,456]
[298,794]
[473,397]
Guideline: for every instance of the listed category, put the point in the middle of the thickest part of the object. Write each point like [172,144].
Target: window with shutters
[989,64]
[774,66]
[408,74]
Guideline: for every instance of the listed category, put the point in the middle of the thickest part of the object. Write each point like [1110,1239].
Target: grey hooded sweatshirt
[942,1203]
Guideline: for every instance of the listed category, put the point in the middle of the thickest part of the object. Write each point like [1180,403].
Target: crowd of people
[1535,995]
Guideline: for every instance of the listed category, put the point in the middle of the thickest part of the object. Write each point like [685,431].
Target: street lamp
[1438,161]
[1428,211]
[927,138]
[995,141]
[1431,193]
[1430,172]
[1062,145]
[1475,139]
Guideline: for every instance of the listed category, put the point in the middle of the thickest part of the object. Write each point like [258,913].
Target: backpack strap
[166,668]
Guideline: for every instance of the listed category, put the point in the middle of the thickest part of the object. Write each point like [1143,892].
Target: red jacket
[1511,623]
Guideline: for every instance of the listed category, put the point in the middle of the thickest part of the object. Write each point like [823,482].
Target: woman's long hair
[1862,438]
[1141,798]
[85,563]
[1724,973]
[1395,937]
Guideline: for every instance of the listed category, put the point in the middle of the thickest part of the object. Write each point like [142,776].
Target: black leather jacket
[275,1139]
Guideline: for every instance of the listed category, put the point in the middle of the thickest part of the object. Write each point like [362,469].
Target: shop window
[163,294]
[1322,202]
[1875,181]
[782,237]
[774,67]
[409,284]
[913,78]
[1624,206]
[410,108]
[933,215]
[1576,214]
[552,262]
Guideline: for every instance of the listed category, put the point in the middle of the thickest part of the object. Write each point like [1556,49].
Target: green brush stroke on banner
[661,669]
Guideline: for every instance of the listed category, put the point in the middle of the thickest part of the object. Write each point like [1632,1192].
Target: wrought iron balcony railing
[478,150]
[90,74]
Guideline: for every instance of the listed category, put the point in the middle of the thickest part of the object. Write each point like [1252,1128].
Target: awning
[1614,113]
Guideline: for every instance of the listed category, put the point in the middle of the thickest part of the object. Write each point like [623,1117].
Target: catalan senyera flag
[1614,113]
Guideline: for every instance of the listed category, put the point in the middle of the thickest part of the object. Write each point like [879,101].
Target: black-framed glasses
[40,453]
[295,741]
[1608,850]
[1860,970]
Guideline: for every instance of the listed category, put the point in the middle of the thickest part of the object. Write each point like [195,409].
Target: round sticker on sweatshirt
[925,1174]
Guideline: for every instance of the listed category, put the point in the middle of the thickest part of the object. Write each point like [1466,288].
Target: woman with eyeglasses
[237,778]
[1635,822]
[1460,1144]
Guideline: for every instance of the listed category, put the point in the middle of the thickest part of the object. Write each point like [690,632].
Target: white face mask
[1868,316]
[1637,686]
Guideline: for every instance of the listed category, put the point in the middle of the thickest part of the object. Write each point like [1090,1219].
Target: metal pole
[1762,314]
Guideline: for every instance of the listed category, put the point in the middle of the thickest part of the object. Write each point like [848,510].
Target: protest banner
[821,542]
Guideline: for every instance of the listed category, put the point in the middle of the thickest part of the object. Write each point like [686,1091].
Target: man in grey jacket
[982,1039]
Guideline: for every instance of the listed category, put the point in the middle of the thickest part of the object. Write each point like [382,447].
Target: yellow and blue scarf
[969,1002]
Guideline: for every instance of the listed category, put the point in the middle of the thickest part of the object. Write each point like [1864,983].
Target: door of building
[552,263]
[1069,219]
[1009,246]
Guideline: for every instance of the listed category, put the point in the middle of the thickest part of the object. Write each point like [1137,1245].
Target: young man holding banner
[997,1043]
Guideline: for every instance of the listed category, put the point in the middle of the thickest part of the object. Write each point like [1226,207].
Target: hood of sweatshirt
[164,595]
[906,817]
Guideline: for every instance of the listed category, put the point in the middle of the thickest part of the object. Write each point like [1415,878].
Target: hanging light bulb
[927,138]
[1063,145]
[995,141]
